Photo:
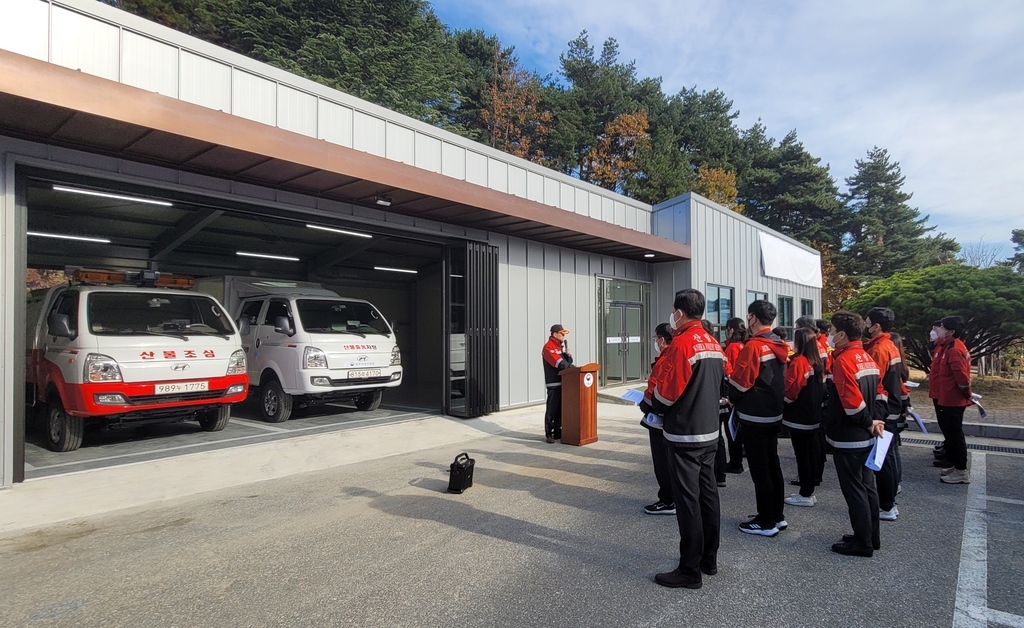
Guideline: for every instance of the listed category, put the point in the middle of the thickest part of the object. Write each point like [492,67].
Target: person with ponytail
[736,337]
[805,387]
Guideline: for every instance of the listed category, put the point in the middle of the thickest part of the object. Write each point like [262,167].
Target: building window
[753,295]
[785,316]
[806,307]
[719,299]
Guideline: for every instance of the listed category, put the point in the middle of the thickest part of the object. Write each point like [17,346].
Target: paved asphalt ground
[550,535]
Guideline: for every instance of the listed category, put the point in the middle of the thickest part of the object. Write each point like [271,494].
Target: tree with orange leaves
[718,185]
[512,115]
[612,159]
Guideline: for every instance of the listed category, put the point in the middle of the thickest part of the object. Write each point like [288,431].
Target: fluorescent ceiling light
[134,199]
[648,254]
[61,236]
[456,276]
[384,200]
[395,270]
[341,231]
[263,256]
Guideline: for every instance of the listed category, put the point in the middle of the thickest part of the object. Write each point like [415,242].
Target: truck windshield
[143,313]
[341,317]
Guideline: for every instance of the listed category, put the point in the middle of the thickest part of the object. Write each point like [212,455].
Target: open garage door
[420,286]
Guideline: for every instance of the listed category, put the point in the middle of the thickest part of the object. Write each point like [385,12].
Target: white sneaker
[800,500]
[957,477]
[947,471]
[899,489]
[888,515]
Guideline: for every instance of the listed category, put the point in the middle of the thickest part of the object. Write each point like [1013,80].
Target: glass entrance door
[623,349]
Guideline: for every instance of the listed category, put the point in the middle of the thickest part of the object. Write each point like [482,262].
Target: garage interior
[199,237]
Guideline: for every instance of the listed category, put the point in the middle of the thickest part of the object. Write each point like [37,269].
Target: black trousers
[720,462]
[735,446]
[887,479]
[661,469]
[951,422]
[698,512]
[858,485]
[808,458]
[762,445]
[820,436]
[553,413]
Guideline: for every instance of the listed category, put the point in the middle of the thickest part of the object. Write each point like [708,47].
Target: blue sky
[939,84]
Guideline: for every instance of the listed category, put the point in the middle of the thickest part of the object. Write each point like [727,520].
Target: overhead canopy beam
[339,254]
[181,232]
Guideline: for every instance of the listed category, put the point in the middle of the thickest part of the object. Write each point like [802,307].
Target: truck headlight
[313,358]
[396,356]
[101,368]
[236,363]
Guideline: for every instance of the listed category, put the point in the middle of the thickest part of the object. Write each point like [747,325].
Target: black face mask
[867,334]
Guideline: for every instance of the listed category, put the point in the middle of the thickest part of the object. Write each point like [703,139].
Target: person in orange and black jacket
[805,387]
[556,359]
[687,389]
[723,415]
[950,386]
[856,405]
[824,331]
[757,389]
[665,505]
[883,351]
[736,336]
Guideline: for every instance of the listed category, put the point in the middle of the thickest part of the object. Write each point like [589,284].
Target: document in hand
[633,395]
[732,424]
[878,451]
[654,420]
[981,408]
[920,421]
[911,384]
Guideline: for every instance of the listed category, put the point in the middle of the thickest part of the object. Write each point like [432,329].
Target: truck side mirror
[59,326]
[244,328]
[283,325]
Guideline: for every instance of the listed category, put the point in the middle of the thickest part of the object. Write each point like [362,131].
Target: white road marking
[258,425]
[1005,619]
[1004,500]
[971,610]
[216,442]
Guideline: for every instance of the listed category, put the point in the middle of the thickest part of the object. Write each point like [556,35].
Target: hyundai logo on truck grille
[181,366]
[364,358]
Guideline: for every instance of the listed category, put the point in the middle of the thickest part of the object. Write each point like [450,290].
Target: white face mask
[831,341]
[673,322]
[934,335]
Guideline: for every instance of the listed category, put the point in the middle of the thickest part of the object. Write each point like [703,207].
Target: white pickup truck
[307,345]
[101,350]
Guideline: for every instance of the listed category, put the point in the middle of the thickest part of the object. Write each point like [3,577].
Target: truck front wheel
[215,419]
[275,403]
[369,401]
[63,431]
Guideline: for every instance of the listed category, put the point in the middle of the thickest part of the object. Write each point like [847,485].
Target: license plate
[363,374]
[169,389]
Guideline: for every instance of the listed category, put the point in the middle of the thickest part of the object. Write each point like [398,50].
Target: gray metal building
[95,98]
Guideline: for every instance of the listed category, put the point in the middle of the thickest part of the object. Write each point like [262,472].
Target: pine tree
[886,234]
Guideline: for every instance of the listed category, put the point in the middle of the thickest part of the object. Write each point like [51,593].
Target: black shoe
[709,570]
[660,508]
[849,538]
[676,580]
[549,439]
[942,463]
[940,446]
[852,549]
[721,483]
[734,468]
[794,482]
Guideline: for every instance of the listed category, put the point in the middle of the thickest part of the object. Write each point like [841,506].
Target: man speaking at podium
[686,392]
[556,359]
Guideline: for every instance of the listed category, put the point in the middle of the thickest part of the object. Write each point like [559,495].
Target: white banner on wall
[783,260]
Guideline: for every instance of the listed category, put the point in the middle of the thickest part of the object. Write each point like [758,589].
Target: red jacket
[757,384]
[804,392]
[825,352]
[686,387]
[856,398]
[887,357]
[555,360]
[732,352]
[951,369]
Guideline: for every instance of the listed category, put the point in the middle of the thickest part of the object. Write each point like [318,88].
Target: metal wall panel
[149,64]
[83,43]
[631,217]
[594,211]
[453,161]
[536,315]
[253,97]
[399,141]
[620,214]
[497,175]
[368,134]
[516,301]
[517,181]
[535,187]
[566,196]
[296,111]
[476,168]
[582,204]
[334,123]
[25,27]
[551,191]
[205,82]
[607,209]
[428,152]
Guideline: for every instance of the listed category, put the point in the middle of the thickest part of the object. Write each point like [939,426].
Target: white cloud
[940,84]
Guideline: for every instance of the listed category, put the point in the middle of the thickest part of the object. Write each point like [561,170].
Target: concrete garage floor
[549,535]
[102,448]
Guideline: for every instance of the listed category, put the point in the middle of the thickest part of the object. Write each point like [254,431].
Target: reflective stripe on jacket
[887,357]
[856,398]
[804,392]
[555,360]
[757,383]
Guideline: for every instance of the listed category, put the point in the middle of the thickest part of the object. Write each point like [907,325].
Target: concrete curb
[608,398]
[981,430]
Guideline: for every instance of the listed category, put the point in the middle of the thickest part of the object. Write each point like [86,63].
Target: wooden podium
[579,404]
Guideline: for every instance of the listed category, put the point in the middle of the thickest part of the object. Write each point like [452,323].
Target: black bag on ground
[462,473]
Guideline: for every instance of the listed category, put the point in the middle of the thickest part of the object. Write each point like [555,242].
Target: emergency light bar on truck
[141,278]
